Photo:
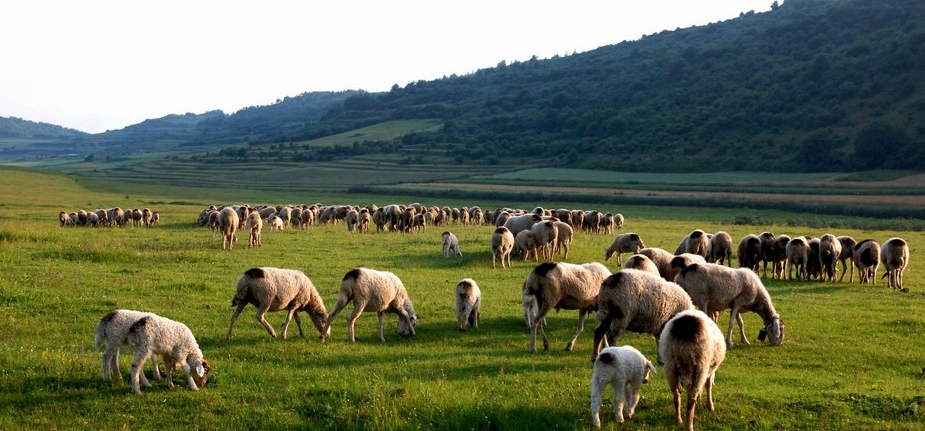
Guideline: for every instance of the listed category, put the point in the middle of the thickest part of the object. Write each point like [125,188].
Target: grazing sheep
[253,226]
[714,288]
[895,256]
[780,257]
[113,328]
[768,243]
[64,219]
[567,286]
[364,218]
[642,263]
[468,304]
[378,291]
[545,233]
[682,261]
[525,245]
[829,250]
[564,240]
[813,268]
[695,242]
[147,217]
[155,335]
[228,225]
[660,257]
[592,221]
[692,349]
[867,260]
[618,221]
[624,368]
[749,252]
[624,243]
[502,243]
[847,252]
[521,222]
[276,289]
[637,301]
[797,250]
[450,245]
[720,248]
[352,220]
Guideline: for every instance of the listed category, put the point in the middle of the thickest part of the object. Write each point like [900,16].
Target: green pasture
[852,358]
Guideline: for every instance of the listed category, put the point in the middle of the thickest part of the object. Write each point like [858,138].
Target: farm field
[851,360]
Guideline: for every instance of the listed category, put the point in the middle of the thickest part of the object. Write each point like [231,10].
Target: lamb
[525,245]
[867,260]
[847,252]
[624,368]
[560,285]
[228,225]
[660,257]
[829,250]
[276,289]
[275,222]
[113,328]
[695,242]
[714,288]
[502,243]
[720,248]
[638,301]
[895,257]
[564,240]
[624,243]
[797,249]
[692,349]
[468,304]
[545,233]
[749,252]
[155,335]
[642,263]
[450,245]
[253,226]
[372,290]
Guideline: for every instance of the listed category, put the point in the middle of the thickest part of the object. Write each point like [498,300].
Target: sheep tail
[100,335]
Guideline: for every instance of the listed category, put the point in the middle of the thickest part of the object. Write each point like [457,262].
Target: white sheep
[228,225]
[797,251]
[625,369]
[691,348]
[372,290]
[637,301]
[520,222]
[275,222]
[714,288]
[276,289]
[867,260]
[567,286]
[564,240]
[502,243]
[525,245]
[721,248]
[468,304]
[780,256]
[624,243]
[682,261]
[642,263]
[660,257]
[254,226]
[829,250]
[546,234]
[696,242]
[847,252]
[113,329]
[155,335]
[895,257]
[450,245]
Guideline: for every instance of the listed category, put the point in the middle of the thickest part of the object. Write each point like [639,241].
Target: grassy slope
[851,359]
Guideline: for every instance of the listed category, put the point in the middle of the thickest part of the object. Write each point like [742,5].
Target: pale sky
[104,65]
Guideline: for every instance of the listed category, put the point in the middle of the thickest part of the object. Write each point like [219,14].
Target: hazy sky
[103,65]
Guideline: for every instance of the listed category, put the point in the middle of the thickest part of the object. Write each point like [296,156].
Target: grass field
[852,358]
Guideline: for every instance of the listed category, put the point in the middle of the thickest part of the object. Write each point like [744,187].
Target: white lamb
[468,304]
[155,335]
[624,368]
[450,245]
[113,328]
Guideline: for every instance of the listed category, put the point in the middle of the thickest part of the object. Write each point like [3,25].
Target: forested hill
[17,128]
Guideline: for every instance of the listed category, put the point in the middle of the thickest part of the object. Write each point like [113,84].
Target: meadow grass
[851,359]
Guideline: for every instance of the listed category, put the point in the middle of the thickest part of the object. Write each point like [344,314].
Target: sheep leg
[138,379]
[581,328]
[381,318]
[537,325]
[673,383]
[261,317]
[733,318]
[596,388]
[298,322]
[741,324]
[189,377]
[709,389]
[351,320]
[285,328]
[111,362]
[600,333]
[234,318]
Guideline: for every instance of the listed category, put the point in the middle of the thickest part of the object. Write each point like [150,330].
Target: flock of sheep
[112,217]
[676,297]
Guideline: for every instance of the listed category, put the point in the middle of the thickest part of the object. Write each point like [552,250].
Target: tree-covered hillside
[18,128]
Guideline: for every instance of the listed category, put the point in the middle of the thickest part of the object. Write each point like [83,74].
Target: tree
[876,142]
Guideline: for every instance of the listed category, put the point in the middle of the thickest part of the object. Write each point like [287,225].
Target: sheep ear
[762,334]
[651,367]
[200,370]
[777,328]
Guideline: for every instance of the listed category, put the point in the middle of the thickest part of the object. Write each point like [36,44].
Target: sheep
[560,285]
[450,245]
[813,268]
[720,248]
[468,304]
[607,222]
[714,288]
[641,262]
[228,225]
[147,217]
[624,243]
[780,257]
[867,260]
[797,249]
[847,251]
[618,221]
[275,222]
[768,243]
[545,233]
[64,219]
[749,252]
[660,257]
[624,368]
[113,328]
[521,222]
[155,335]
[895,256]
[276,289]
[829,250]
[638,301]
[253,226]
[692,349]
[682,261]
[695,242]
[352,220]
[525,245]
[502,243]
[592,221]
[564,239]
[364,219]
[372,290]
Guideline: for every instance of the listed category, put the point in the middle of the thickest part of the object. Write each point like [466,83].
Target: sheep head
[774,331]
[201,373]
[406,325]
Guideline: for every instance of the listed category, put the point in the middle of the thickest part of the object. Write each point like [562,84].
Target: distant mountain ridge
[18,128]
